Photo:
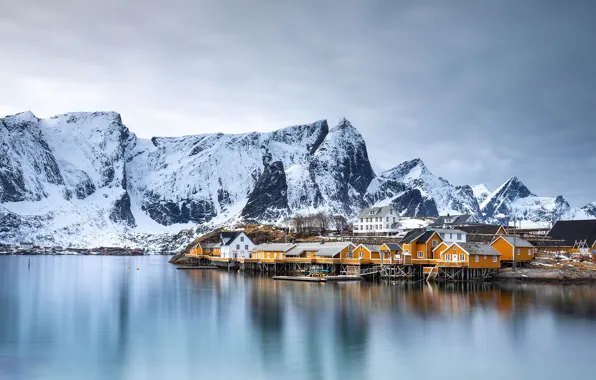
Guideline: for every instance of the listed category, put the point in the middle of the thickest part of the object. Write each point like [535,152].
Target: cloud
[480,90]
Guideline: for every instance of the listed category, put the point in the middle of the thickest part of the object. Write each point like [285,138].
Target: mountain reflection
[95,318]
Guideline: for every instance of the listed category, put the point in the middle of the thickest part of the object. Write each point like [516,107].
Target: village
[450,248]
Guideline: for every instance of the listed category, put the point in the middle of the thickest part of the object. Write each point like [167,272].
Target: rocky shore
[550,270]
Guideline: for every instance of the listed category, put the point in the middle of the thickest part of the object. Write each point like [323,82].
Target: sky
[480,90]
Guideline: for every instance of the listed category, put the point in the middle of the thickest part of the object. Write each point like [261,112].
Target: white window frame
[361,255]
[447,257]
[242,238]
[458,236]
[462,257]
[268,255]
[420,254]
[519,251]
[435,243]
[477,258]
[494,259]
[237,247]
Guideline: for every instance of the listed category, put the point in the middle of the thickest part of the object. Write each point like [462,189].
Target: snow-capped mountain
[85,179]
[86,175]
[513,200]
[415,191]
[481,192]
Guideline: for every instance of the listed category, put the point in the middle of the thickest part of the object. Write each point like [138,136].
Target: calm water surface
[93,318]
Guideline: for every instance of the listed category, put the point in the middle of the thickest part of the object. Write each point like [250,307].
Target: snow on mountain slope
[86,175]
[513,200]
[481,191]
[84,179]
[416,191]
[341,169]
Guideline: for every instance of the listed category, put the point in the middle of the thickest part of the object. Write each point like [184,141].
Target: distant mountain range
[84,179]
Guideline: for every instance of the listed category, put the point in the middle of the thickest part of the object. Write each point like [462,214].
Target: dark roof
[228,237]
[426,236]
[412,235]
[394,246]
[480,233]
[457,220]
[573,230]
[209,245]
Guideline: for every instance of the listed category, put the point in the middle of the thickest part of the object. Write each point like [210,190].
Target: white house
[378,221]
[25,245]
[235,245]
[450,235]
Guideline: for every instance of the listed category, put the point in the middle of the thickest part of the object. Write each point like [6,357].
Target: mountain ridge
[83,172]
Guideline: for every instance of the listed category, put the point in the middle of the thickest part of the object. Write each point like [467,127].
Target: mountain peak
[343,124]
[26,116]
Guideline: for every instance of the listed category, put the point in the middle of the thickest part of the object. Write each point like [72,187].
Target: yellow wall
[440,249]
[501,231]
[506,251]
[484,261]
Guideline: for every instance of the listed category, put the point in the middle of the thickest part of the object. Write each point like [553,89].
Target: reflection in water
[93,318]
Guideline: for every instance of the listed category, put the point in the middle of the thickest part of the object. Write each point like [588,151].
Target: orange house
[369,253]
[396,253]
[420,244]
[471,255]
[524,251]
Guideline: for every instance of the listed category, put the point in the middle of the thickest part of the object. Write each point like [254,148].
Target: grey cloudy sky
[480,90]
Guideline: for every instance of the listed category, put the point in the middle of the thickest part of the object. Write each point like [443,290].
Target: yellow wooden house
[396,254]
[469,255]
[419,243]
[508,245]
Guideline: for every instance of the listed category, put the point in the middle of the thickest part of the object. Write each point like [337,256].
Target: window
[361,254]
[518,251]
[442,235]
[450,236]
[462,257]
[268,255]
[458,236]
[435,243]
[361,220]
[530,251]
[349,254]
[308,254]
[387,220]
[280,255]
[420,254]
[246,247]
[454,248]
[241,238]
[238,247]
[484,257]
[394,219]
[494,259]
[448,257]
[477,258]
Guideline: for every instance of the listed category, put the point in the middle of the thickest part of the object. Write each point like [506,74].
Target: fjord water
[89,317]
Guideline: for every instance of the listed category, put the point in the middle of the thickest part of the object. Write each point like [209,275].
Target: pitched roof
[209,245]
[328,249]
[274,247]
[517,241]
[376,212]
[479,249]
[228,237]
[372,247]
[426,236]
[572,230]
[412,235]
[454,220]
[449,231]
[394,246]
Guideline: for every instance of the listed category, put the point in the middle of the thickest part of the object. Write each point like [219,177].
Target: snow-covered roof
[449,231]
[372,247]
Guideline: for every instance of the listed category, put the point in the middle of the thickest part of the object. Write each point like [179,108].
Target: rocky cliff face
[84,179]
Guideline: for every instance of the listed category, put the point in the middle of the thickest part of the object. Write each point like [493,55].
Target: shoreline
[567,274]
